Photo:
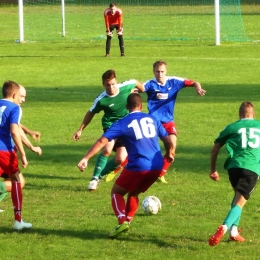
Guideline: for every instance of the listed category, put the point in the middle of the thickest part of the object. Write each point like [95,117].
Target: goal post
[205,21]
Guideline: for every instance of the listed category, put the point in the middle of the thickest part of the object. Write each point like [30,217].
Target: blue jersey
[10,113]
[139,133]
[161,98]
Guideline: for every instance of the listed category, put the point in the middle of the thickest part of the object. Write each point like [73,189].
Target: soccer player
[112,101]
[114,20]
[10,138]
[162,93]
[242,141]
[6,185]
[139,133]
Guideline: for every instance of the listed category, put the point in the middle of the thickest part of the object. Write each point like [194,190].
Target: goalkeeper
[114,20]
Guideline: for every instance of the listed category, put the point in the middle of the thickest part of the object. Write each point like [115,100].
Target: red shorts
[8,163]
[170,128]
[141,181]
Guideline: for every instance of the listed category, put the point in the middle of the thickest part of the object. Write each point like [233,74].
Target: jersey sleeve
[106,18]
[96,107]
[120,19]
[113,132]
[223,136]
[188,83]
[16,115]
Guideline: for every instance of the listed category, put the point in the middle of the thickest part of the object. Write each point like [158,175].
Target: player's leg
[117,163]
[17,199]
[108,45]
[100,165]
[118,205]
[171,130]
[243,182]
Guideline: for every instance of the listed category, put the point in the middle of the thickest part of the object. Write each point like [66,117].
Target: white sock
[233,231]
[225,228]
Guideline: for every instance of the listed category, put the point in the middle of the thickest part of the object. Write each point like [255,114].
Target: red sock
[166,165]
[17,198]
[118,205]
[131,208]
[121,166]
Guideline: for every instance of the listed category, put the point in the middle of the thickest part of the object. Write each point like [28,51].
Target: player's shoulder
[119,11]
[173,78]
[106,12]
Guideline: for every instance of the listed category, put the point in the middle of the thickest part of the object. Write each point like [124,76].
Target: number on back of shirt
[254,137]
[144,128]
[2,109]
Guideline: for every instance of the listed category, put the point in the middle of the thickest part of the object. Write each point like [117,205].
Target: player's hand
[214,176]
[201,92]
[109,33]
[37,150]
[77,135]
[120,32]
[36,136]
[24,161]
[83,164]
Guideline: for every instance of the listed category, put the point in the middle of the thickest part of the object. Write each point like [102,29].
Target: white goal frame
[21,20]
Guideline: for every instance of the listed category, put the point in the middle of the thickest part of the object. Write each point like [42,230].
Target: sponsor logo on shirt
[111,105]
[162,95]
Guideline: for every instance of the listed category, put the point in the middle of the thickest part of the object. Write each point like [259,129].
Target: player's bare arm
[15,132]
[213,159]
[34,134]
[87,119]
[100,143]
[198,88]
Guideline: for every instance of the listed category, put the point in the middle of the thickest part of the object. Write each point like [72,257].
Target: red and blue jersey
[139,133]
[161,98]
[10,113]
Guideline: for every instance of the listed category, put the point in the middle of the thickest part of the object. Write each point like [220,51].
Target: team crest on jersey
[162,95]
[111,105]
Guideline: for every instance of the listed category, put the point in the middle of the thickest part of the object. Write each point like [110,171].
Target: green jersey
[114,107]
[242,139]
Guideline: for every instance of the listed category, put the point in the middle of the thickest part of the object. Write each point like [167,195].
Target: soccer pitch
[62,79]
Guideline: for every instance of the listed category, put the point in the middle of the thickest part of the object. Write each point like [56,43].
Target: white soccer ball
[151,205]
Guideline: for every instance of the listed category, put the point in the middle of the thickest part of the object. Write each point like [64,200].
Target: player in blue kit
[139,133]
[162,93]
[10,138]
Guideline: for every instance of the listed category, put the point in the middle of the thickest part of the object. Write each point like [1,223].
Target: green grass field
[62,78]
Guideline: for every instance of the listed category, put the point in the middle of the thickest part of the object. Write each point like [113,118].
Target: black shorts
[114,26]
[118,142]
[243,181]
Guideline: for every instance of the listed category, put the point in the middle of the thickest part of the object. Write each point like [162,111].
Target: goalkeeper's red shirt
[113,19]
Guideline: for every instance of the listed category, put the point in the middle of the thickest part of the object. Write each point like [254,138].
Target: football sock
[232,216]
[131,207]
[100,164]
[110,166]
[118,205]
[17,199]
[3,191]
[233,231]
[166,165]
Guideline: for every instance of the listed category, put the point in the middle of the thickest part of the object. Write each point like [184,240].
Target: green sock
[233,216]
[3,191]
[110,166]
[236,222]
[100,165]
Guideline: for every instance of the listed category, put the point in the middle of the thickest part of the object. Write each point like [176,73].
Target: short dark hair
[134,100]
[112,4]
[9,88]
[159,63]
[108,75]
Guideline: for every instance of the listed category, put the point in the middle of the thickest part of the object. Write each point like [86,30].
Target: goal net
[168,20]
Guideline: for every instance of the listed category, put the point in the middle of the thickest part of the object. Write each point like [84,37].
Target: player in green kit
[242,140]
[113,103]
